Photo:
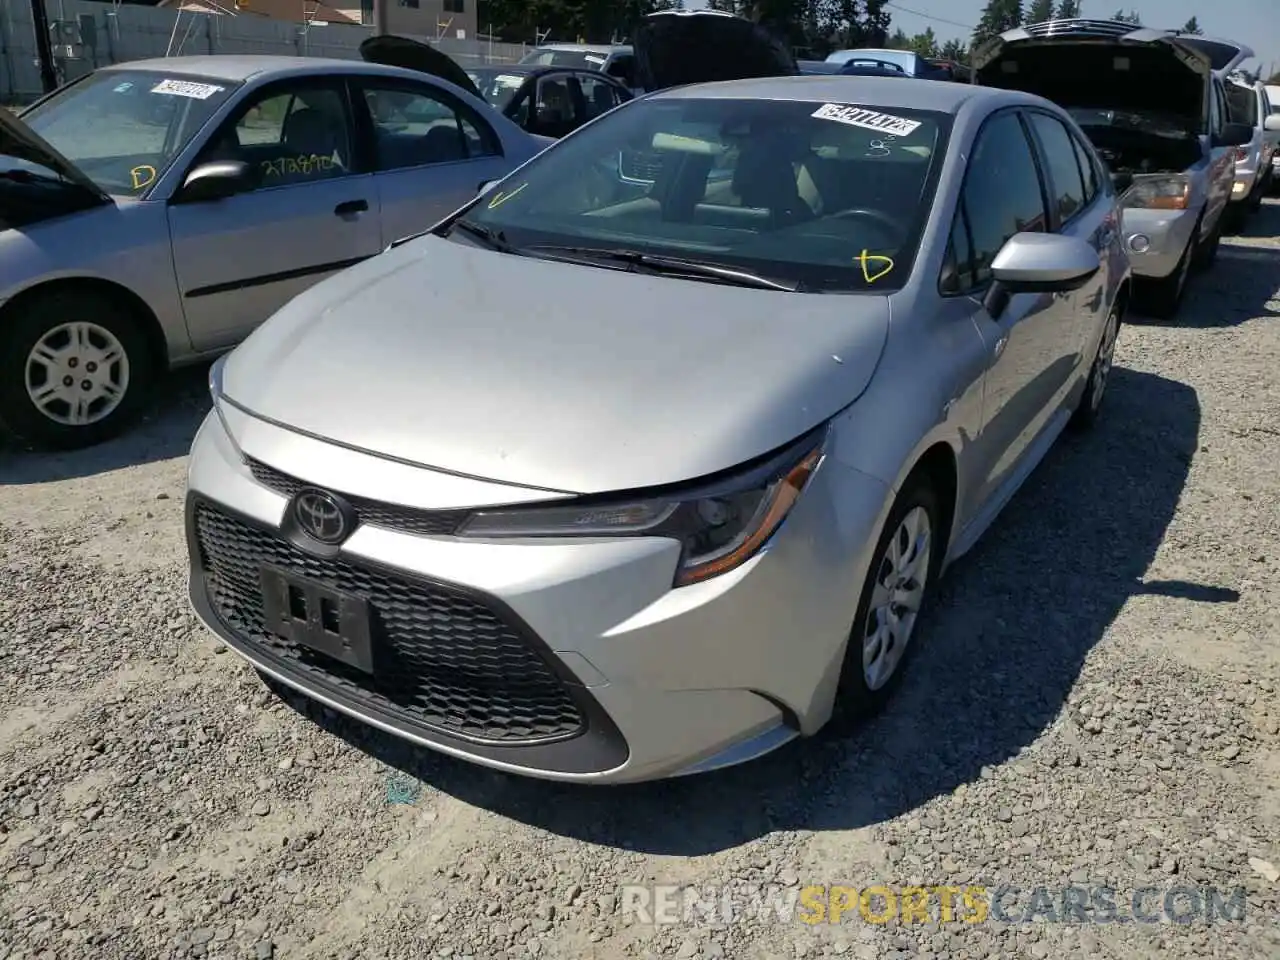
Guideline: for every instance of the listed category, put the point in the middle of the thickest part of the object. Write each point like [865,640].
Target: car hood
[392,51]
[19,141]
[1099,64]
[552,375]
[675,47]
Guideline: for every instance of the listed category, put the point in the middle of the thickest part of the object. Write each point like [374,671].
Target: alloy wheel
[901,577]
[77,373]
[1102,365]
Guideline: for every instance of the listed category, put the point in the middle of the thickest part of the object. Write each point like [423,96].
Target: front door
[431,151]
[311,213]
[1003,195]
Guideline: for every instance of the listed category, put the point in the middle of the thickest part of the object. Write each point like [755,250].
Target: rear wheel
[74,369]
[898,588]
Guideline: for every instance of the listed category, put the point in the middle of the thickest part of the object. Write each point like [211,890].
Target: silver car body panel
[897,376]
[246,256]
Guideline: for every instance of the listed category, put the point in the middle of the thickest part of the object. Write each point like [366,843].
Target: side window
[600,95]
[1066,187]
[1001,196]
[415,126]
[1088,168]
[957,269]
[623,67]
[1218,111]
[554,107]
[289,135]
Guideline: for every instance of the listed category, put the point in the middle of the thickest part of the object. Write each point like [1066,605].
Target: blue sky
[1257,22]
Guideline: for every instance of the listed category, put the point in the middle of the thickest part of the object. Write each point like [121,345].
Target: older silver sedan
[154,212]
[609,481]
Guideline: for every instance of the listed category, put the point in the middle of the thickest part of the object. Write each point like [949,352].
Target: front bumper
[660,682]
[1155,239]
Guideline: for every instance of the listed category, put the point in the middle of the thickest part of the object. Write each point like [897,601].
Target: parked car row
[444,492]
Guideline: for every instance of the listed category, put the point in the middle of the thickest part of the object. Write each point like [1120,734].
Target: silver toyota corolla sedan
[608,482]
[155,212]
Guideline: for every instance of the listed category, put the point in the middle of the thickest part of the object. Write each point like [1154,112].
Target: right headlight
[720,525]
[1159,191]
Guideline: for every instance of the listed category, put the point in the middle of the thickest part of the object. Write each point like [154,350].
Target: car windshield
[123,128]
[497,87]
[820,196]
[583,59]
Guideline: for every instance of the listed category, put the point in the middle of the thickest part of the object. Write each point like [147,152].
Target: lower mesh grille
[444,659]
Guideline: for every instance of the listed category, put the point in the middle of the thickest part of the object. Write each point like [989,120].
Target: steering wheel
[882,219]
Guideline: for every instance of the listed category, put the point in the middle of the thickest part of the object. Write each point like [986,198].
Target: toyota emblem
[322,516]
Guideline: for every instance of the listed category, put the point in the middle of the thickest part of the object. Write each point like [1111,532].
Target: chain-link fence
[89,35]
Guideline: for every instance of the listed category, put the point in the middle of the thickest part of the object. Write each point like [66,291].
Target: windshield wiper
[672,266]
[495,239]
[30,176]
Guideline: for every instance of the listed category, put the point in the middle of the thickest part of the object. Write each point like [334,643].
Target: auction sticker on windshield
[867,119]
[186,88]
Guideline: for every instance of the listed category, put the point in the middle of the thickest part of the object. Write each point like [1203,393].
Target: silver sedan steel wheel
[901,577]
[77,373]
[1102,364]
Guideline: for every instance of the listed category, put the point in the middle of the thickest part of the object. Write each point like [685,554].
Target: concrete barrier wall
[88,35]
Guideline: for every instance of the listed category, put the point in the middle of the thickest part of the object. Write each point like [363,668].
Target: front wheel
[898,588]
[1161,298]
[1095,387]
[74,369]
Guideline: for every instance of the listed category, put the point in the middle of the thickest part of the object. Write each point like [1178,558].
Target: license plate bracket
[308,613]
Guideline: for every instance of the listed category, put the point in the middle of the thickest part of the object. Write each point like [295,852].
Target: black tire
[1161,298]
[1091,401]
[1234,218]
[28,322]
[856,701]
[1205,253]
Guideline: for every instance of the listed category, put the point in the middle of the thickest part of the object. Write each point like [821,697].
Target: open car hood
[1101,64]
[392,51]
[1224,55]
[675,47]
[19,141]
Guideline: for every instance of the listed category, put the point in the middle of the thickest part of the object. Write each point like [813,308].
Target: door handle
[351,206]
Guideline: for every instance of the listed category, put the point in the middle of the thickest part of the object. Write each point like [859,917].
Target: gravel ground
[1097,707]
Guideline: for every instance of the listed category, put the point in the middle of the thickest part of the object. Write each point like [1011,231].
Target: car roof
[935,95]
[237,68]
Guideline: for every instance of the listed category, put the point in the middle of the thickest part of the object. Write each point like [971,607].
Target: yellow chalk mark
[142,176]
[500,198]
[869,262]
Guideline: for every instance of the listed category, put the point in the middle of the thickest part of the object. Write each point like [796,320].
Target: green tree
[1192,26]
[954,50]
[1068,10]
[925,44]
[898,40]
[1040,11]
[997,17]
[1130,17]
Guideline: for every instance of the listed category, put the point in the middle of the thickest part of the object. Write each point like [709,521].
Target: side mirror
[216,180]
[1272,123]
[1039,263]
[1234,135]
[486,186]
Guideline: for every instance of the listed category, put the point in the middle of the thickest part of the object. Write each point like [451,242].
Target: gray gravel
[1096,708]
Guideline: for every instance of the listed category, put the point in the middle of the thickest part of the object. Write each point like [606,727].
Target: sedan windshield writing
[819,196]
[123,128]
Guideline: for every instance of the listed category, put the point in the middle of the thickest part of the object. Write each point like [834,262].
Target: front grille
[443,659]
[1093,28]
[428,523]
